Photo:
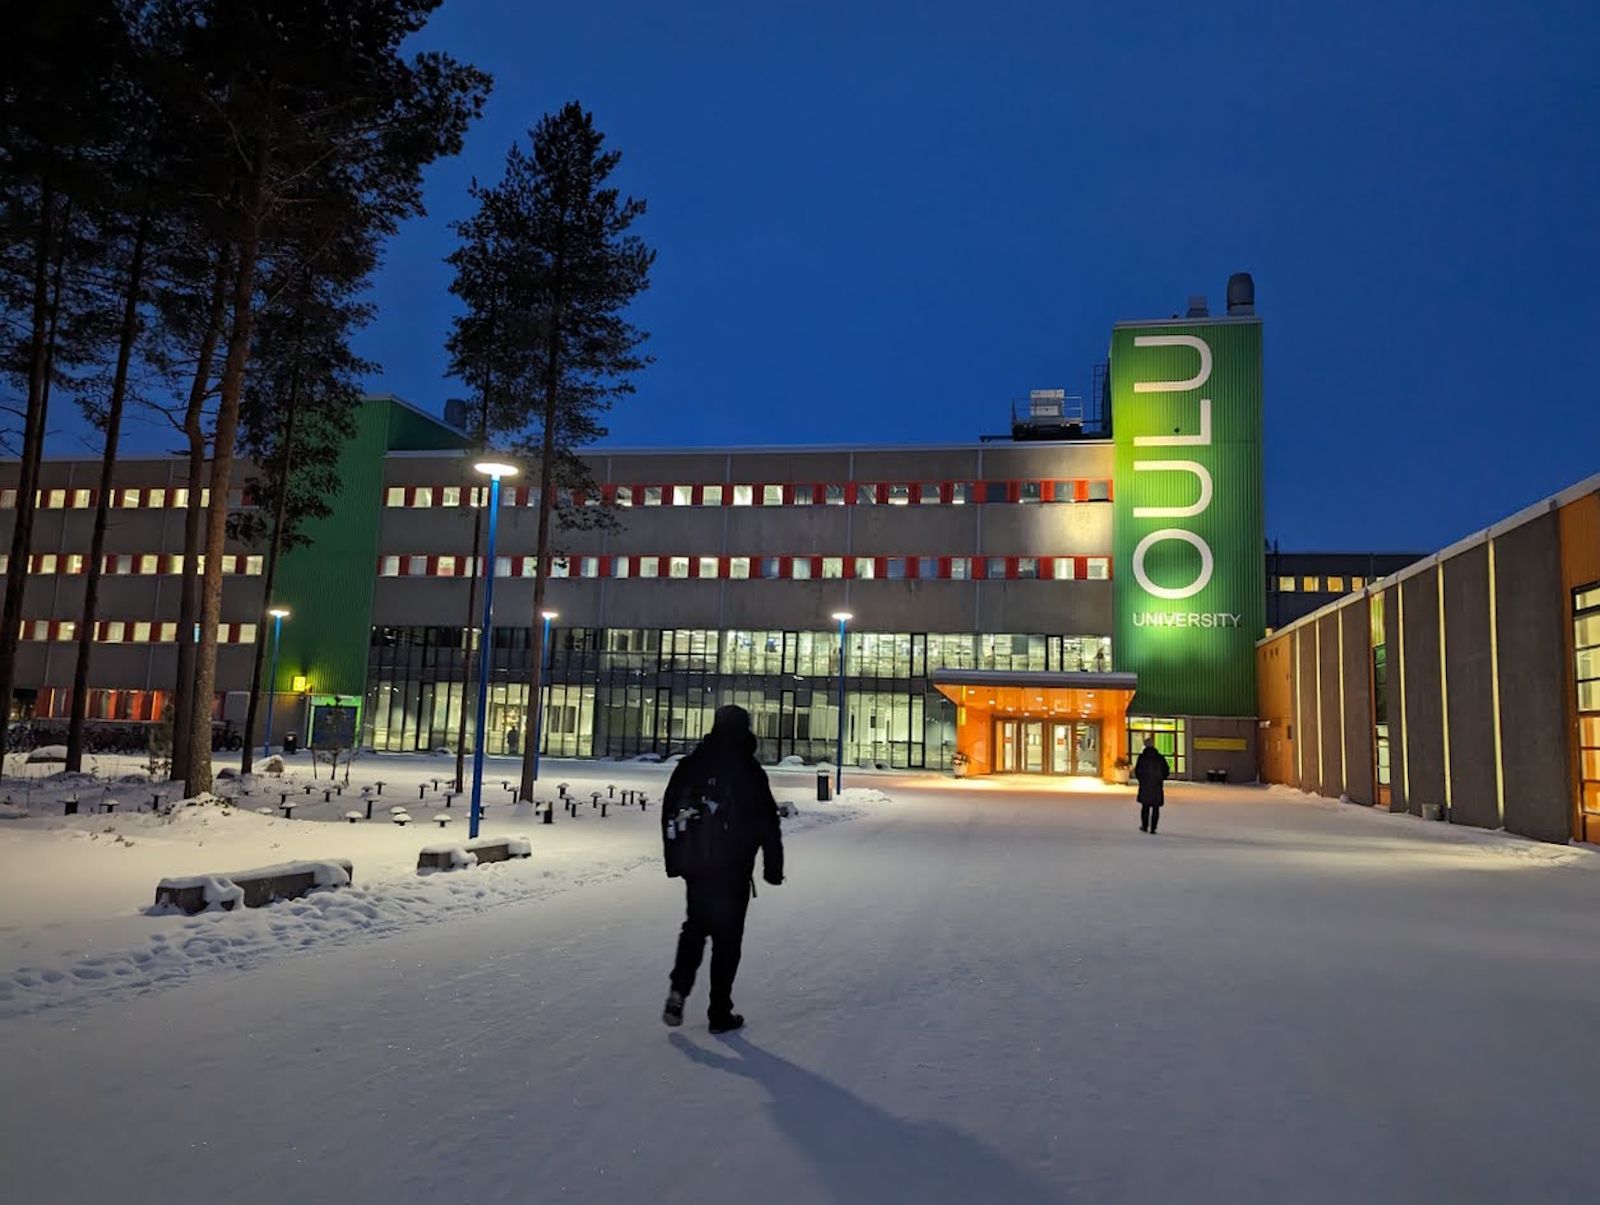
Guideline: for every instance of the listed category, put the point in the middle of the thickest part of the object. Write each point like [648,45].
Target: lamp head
[843,616]
[550,614]
[279,612]
[496,469]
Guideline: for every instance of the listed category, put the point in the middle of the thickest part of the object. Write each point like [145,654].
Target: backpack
[700,825]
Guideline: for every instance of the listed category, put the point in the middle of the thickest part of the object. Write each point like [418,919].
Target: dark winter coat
[1151,771]
[728,753]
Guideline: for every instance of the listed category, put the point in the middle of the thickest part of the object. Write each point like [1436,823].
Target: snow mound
[863,795]
[47,753]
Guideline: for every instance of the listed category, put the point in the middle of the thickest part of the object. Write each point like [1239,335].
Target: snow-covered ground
[978,991]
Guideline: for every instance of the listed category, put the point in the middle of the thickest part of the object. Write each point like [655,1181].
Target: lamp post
[844,618]
[538,704]
[494,470]
[279,614]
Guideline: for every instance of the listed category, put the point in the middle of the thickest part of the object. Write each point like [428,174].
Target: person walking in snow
[1151,770]
[718,811]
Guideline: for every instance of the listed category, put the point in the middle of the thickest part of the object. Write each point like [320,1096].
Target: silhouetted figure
[1151,770]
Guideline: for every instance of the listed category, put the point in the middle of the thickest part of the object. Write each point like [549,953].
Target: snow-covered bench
[473,853]
[251,888]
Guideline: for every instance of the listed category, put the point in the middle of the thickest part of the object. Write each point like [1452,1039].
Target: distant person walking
[717,812]
[1151,770]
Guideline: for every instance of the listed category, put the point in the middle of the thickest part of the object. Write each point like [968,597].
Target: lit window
[709,566]
[711,495]
[246,633]
[1031,491]
[619,566]
[72,563]
[130,499]
[1065,568]
[1357,583]
[395,495]
[80,499]
[866,495]
[770,565]
[167,633]
[417,566]
[450,495]
[502,566]
[996,567]
[772,495]
[833,495]
[1064,491]
[928,493]
[866,567]
[1336,585]
[899,495]
[800,568]
[391,566]
[5,561]
[56,499]
[180,498]
[8,499]
[141,633]
[895,568]
[743,495]
[739,566]
[804,495]
[113,629]
[68,630]
[530,566]
[961,493]
[447,567]
[148,564]
[652,495]
[424,496]
[41,629]
[1028,567]
[928,566]
[205,498]
[1099,568]
[1099,491]
[1286,585]
[46,562]
[624,495]
[254,566]
[156,498]
[649,566]
[678,566]
[960,568]
[124,564]
[833,566]
[683,495]
[1308,583]
[589,566]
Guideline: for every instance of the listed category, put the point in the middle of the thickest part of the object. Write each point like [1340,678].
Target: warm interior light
[496,468]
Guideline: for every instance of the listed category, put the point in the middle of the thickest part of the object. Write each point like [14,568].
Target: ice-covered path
[986,995]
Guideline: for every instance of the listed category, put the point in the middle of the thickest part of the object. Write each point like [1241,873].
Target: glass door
[1061,747]
[1088,749]
[1006,746]
[1033,747]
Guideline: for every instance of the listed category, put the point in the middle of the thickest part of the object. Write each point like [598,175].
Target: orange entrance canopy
[985,697]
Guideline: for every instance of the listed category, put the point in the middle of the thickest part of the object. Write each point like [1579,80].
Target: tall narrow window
[866,567]
[833,566]
[1065,568]
[961,493]
[800,568]
[683,495]
[744,495]
[960,568]
[803,495]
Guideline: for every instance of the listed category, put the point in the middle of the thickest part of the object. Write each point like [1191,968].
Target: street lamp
[494,470]
[279,614]
[544,685]
[844,617]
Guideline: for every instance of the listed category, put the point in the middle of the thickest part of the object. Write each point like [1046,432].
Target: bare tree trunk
[188,579]
[32,453]
[197,773]
[102,510]
[274,547]
[533,729]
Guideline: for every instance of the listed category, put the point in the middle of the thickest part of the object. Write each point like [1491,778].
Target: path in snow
[961,996]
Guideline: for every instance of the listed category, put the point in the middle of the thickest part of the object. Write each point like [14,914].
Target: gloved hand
[772,877]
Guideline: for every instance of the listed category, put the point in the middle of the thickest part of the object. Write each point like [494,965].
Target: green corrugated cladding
[327,585]
[1188,493]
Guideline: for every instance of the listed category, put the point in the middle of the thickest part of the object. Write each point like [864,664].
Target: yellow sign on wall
[1221,744]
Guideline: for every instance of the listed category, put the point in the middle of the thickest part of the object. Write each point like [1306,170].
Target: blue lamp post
[844,618]
[544,678]
[494,470]
[279,614]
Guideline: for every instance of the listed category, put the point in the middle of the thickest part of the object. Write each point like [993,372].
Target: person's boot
[672,1010]
[726,1023]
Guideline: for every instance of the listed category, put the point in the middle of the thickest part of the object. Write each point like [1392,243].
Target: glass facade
[1171,737]
[626,692]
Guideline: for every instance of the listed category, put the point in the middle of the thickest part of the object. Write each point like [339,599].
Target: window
[739,567]
[995,568]
[390,566]
[46,562]
[141,633]
[624,495]
[866,567]
[1336,585]
[1286,585]
[996,491]
[149,563]
[683,495]
[72,563]
[1099,491]
[1031,491]
[1170,736]
[677,566]
[960,568]
[447,567]
[711,495]
[1065,568]
[502,567]
[113,629]
[254,566]
[530,566]
[80,499]
[652,495]
[130,499]
[927,566]
[1308,583]
[866,495]
[119,564]
[56,499]
[8,499]
[833,495]
[1064,491]
[450,495]
[589,566]
[68,630]
[804,495]
[770,566]
[800,568]
[1356,583]
[649,566]
[619,566]
[416,566]
[709,566]
[743,495]
[833,567]
[928,493]
[180,498]
[560,566]
[1028,566]
[424,496]
[772,495]
[895,568]
[246,632]
[395,495]
[899,495]
[1099,568]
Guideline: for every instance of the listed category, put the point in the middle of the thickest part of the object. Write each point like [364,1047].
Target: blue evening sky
[879,223]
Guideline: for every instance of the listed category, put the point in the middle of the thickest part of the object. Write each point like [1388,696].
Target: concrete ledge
[473,853]
[251,888]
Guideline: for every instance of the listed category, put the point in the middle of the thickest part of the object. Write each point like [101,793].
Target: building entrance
[1047,747]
